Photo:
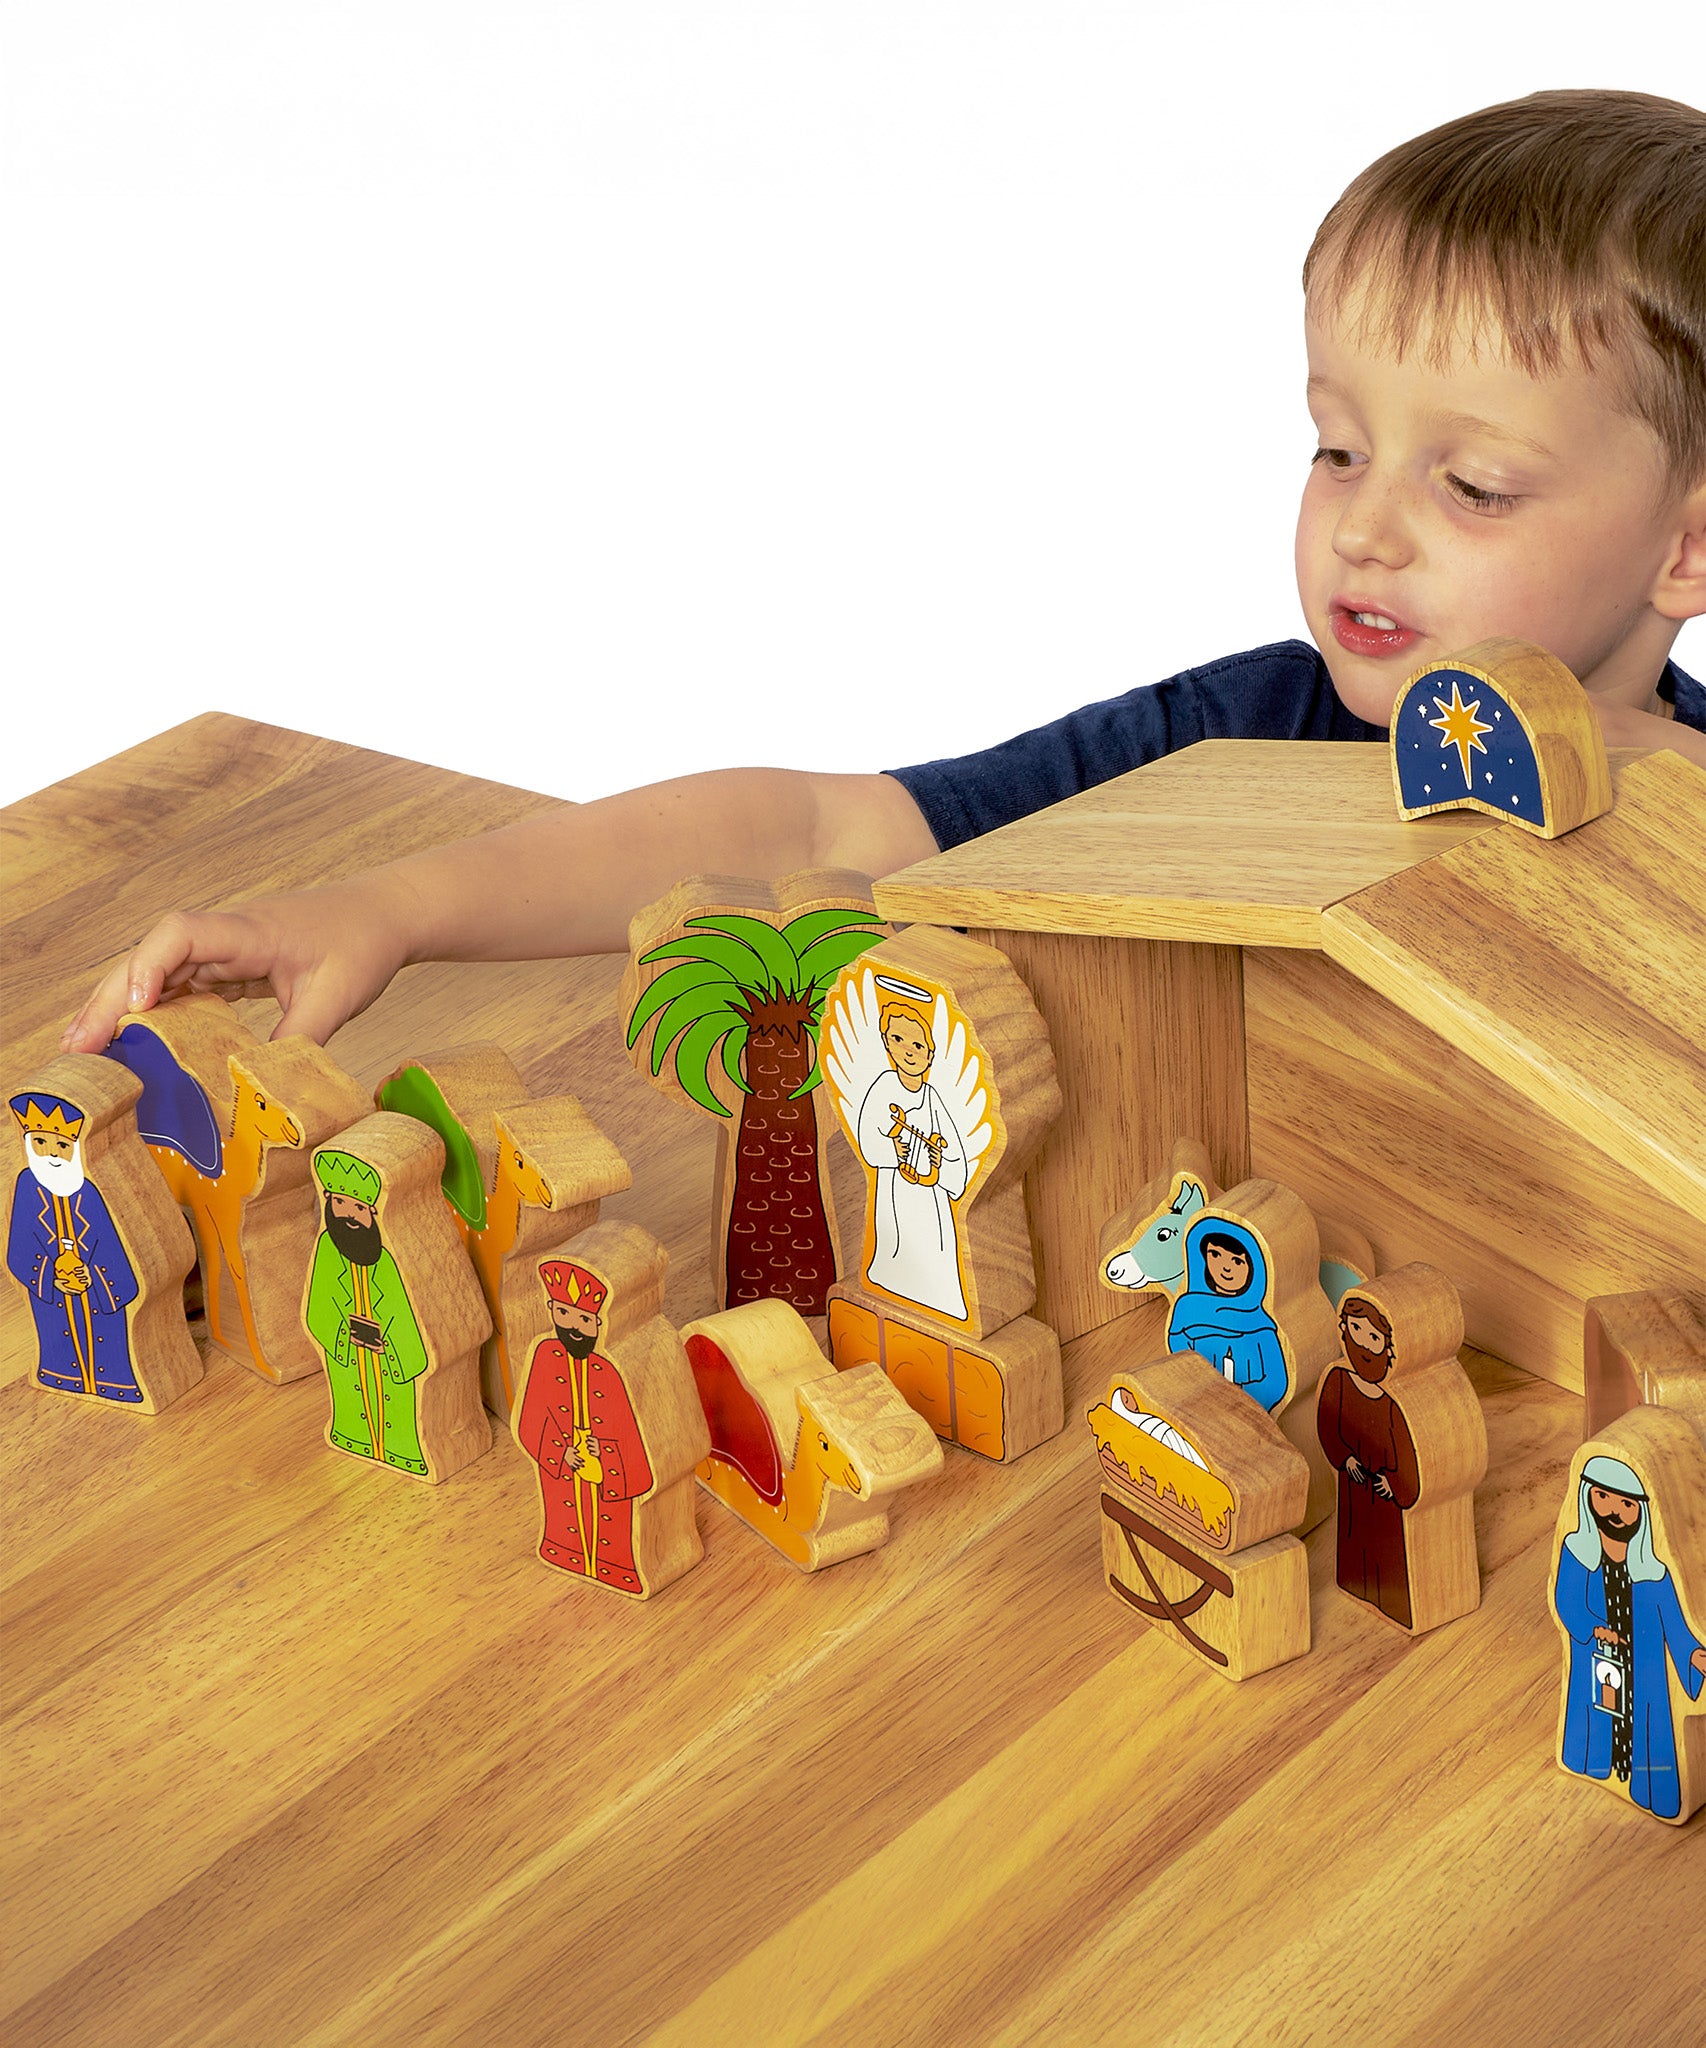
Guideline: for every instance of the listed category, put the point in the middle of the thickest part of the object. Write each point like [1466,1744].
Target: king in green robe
[358,1313]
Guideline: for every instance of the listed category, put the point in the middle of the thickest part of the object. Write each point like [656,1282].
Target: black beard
[359,1242]
[1609,1525]
[577,1343]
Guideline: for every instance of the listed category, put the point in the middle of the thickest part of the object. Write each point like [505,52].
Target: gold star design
[1461,727]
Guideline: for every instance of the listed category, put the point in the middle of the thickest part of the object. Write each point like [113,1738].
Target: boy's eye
[1338,460]
[1472,494]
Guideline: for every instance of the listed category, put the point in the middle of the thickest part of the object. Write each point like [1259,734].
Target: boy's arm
[562,883]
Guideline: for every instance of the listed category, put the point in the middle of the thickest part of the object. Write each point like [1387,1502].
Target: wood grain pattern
[1603,1037]
[247,1867]
[1364,1110]
[1233,843]
[1571,969]
[1645,1349]
[1197,1541]
[1257,1613]
[1184,1185]
[1128,1093]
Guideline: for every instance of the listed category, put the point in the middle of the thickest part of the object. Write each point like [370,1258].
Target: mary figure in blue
[1222,1314]
[1618,1604]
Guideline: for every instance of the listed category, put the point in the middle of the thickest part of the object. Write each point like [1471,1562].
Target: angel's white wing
[851,1043]
[957,1075]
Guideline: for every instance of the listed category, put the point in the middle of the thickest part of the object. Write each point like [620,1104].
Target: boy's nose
[1373,528]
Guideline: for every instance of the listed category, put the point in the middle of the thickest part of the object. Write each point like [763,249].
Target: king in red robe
[1364,1434]
[578,1425]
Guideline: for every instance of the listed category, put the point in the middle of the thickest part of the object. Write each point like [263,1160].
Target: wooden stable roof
[1239,842]
[1573,969]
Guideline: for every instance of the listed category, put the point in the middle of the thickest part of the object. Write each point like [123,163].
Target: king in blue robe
[64,1248]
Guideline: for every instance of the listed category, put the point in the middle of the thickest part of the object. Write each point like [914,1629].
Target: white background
[582,394]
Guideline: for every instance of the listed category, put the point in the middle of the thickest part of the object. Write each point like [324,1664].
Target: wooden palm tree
[737,1014]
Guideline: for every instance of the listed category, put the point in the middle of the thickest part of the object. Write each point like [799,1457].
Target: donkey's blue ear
[1190,1198]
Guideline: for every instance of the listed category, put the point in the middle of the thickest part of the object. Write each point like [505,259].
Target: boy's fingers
[171,956]
[313,1011]
[91,1030]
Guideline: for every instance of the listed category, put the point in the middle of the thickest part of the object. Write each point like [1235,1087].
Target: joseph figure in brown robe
[1364,1434]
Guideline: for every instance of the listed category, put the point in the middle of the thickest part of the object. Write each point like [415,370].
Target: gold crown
[34,1118]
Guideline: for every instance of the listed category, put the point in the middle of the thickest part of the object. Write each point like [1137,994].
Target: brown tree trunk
[779,1243]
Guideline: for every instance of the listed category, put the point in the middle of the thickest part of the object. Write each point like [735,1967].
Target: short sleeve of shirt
[1282,692]
[1684,695]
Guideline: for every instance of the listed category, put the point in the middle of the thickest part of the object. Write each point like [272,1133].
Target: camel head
[523,1175]
[817,1446]
[256,1111]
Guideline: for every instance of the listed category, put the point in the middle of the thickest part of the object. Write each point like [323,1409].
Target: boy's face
[1457,503]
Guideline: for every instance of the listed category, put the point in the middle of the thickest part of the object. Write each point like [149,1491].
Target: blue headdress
[1583,1542]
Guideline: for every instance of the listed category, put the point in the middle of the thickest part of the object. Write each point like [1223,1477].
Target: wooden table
[296,1755]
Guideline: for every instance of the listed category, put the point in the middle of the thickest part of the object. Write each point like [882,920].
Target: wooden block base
[1000,1397]
[1240,1614]
[1297,1426]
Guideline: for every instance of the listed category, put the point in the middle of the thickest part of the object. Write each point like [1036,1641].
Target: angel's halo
[904,988]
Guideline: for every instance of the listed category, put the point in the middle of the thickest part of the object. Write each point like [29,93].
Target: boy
[1507,346]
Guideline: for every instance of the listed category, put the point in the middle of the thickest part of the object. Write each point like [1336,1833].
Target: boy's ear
[1680,592]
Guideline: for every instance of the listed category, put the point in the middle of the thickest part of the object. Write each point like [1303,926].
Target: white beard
[59,1176]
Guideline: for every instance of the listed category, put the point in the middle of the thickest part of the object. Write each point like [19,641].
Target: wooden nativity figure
[1401,1423]
[1629,1595]
[97,1243]
[392,1303]
[608,1411]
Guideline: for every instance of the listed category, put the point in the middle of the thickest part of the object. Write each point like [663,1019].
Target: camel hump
[412,1091]
[173,1112]
[741,1434]
[863,1413]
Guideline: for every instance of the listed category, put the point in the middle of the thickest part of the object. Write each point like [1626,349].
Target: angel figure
[921,1137]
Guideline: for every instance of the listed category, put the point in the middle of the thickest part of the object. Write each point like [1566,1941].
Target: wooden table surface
[293,1754]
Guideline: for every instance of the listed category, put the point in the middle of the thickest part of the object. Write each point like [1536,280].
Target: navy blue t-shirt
[1282,692]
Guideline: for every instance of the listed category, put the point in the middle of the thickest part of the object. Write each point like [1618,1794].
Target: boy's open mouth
[1362,629]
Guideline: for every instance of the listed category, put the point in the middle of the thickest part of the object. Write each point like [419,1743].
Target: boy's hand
[324,954]
[560,883]
[1624,726]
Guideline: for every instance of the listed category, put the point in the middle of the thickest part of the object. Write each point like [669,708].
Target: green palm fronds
[726,966]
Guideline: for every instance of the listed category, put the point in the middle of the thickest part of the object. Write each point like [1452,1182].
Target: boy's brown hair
[1574,220]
